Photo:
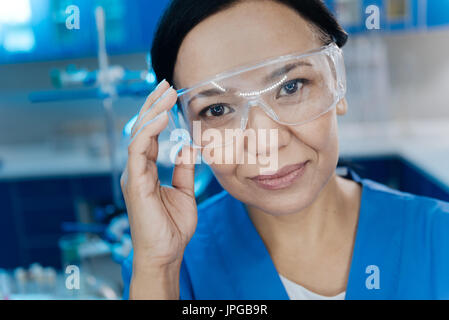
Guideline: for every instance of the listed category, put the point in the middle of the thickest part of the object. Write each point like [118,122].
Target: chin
[288,204]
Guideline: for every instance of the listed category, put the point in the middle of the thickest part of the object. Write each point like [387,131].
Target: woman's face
[247,33]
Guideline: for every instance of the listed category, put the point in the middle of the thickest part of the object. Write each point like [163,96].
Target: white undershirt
[297,292]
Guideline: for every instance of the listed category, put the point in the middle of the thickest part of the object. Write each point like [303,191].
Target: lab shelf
[130,25]
[394,15]
[129,28]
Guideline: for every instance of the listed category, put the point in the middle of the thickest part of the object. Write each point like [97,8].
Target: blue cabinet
[10,255]
[398,173]
[437,13]
[33,212]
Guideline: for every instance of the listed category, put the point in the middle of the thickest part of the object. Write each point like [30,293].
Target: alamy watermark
[229,146]
[73,20]
[372,22]
[72,281]
[373,280]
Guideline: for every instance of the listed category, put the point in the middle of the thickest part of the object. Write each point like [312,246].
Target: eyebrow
[285,69]
[272,76]
[206,93]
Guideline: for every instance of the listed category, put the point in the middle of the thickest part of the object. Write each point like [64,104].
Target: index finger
[152,98]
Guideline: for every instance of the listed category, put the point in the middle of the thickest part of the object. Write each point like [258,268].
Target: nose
[261,119]
[261,105]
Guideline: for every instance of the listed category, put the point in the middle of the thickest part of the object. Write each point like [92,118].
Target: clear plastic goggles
[292,90]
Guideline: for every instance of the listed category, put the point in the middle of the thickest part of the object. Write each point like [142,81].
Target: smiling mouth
[281,179]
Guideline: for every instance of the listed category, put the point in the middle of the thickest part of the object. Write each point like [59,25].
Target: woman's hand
[162,219]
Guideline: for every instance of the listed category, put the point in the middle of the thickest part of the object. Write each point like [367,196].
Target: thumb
[184,172]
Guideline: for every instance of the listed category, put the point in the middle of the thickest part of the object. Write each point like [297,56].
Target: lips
[282,178]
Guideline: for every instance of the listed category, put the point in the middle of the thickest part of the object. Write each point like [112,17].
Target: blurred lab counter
[425,144]
[45,160]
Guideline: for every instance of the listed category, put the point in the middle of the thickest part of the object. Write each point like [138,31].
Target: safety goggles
[292,90]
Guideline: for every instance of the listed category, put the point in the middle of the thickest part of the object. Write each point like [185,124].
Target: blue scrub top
[401,251]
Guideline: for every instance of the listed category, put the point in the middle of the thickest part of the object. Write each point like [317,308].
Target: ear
[342,107]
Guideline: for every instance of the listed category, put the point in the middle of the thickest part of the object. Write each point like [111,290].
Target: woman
[300,231]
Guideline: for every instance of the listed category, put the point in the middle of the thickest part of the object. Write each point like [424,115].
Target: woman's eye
[217,110]
[291,87]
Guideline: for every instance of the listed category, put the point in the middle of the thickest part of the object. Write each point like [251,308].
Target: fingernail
[164,95]
[160,84]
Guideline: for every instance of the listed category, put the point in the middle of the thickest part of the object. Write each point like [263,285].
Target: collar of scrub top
[251,271]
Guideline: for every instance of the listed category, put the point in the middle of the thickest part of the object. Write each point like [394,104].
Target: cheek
[227,172]
[223,167]
[226,175]
[321,135]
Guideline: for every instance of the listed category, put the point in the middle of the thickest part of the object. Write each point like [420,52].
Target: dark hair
[182,16]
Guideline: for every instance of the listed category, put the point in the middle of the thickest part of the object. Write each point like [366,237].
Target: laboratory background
[73,75]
